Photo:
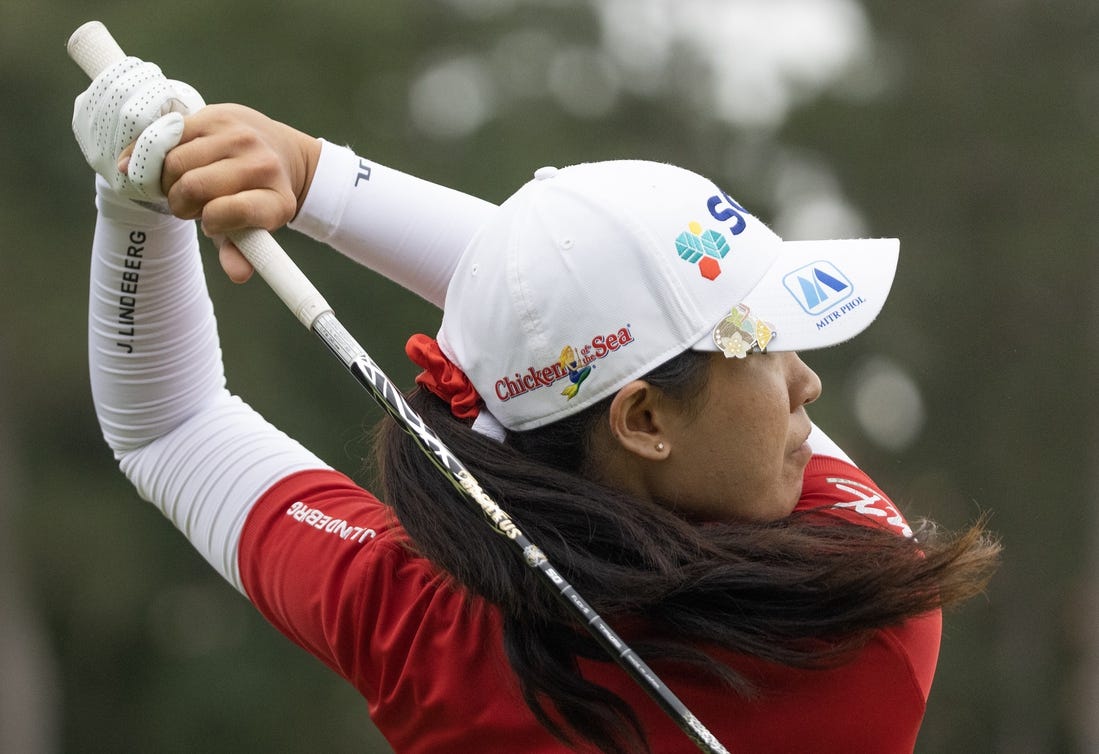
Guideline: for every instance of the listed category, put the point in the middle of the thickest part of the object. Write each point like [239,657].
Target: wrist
[116,206]
[310,149]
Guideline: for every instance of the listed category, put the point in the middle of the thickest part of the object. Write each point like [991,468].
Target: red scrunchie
[442,377]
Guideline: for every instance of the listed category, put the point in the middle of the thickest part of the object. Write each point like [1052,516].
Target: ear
[639,422]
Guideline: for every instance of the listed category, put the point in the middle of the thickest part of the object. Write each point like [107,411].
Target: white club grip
[94,49]
[283,276]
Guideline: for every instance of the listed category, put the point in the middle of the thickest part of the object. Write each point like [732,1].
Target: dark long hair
[791,591]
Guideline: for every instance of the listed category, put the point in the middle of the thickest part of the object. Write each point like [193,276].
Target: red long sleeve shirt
[323,560]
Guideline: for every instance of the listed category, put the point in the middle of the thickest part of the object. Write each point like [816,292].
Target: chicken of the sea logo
[703,248]
[574,365]
[576,370]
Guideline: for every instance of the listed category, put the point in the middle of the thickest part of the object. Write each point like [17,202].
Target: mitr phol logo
[818,287]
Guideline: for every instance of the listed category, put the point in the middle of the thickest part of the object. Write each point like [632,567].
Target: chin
[780,509]
[790,499]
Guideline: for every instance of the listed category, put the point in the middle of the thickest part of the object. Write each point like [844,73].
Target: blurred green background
[969,129]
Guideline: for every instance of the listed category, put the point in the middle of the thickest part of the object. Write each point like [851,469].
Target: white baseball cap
[592,275]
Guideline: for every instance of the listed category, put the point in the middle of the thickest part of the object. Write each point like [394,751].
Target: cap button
[542,174]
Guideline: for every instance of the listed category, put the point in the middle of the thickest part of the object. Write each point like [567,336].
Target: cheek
[746,476]
[770,477]
[763,429]
[740,467]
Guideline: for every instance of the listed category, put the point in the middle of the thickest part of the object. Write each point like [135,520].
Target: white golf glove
[132,101]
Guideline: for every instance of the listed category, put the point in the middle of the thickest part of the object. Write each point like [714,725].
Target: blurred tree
[28,708]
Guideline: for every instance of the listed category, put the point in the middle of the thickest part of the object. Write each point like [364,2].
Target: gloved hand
[132,101]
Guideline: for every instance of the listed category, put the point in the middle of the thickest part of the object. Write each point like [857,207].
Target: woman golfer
[616,364]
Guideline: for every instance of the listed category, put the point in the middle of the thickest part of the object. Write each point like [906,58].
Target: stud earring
[660,447]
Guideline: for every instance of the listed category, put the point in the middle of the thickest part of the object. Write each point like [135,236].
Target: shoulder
[840,488]
[316,536]
[321,505]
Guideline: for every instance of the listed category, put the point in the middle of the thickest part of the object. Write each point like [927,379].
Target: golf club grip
[94,49]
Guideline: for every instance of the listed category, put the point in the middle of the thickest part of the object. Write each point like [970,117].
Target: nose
[805,385]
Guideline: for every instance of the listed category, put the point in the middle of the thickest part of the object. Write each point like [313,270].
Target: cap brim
[820,293]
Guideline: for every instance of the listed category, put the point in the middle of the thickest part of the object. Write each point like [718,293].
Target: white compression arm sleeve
[408,229]
[202,456]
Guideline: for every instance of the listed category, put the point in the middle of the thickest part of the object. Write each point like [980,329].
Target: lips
[802,447]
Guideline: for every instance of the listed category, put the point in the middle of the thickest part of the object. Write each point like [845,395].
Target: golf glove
[131,101]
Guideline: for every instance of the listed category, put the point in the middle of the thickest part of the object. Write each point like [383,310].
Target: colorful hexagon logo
[702,248]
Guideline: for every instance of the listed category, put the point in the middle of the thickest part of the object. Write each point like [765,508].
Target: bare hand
[235,168]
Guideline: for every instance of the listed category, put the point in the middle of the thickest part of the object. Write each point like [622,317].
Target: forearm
[200,455]
[410,230]
[149,322]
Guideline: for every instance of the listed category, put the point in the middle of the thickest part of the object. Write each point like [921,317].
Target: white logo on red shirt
[868,502]
[321,520]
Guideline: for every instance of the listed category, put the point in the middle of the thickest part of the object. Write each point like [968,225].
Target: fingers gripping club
[94,49]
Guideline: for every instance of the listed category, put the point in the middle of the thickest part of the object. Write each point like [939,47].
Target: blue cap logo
[818,287]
